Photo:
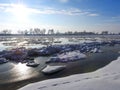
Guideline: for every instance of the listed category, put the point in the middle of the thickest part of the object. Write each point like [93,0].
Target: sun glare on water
[22,68]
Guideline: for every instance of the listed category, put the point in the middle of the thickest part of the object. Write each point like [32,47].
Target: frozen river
[12,72]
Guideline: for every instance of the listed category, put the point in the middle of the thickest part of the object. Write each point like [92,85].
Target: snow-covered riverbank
[107,78]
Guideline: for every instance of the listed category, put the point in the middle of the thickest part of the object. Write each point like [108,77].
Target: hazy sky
[62,15]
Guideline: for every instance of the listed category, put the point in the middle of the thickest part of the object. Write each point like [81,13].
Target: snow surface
[67,57]
[51,69]
[72,55]
[96,50]
[106,78]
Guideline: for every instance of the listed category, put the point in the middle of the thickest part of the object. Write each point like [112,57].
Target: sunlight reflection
[22,68]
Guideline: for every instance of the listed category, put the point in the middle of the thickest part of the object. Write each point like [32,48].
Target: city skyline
[62,15]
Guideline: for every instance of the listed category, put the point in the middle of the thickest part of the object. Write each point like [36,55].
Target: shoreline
[92,63]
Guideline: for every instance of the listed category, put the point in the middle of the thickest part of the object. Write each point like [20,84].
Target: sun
[20,12]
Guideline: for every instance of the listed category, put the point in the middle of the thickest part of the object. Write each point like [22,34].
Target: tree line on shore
[37,31]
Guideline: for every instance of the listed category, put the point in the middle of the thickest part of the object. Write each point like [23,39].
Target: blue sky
[62,15]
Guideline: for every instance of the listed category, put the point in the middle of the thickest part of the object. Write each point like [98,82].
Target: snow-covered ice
[52,69]
[106,78]
[72,54]
[68,57]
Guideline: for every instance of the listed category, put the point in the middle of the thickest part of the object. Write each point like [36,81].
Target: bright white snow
[51,69]
[107,78]
[72,55]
